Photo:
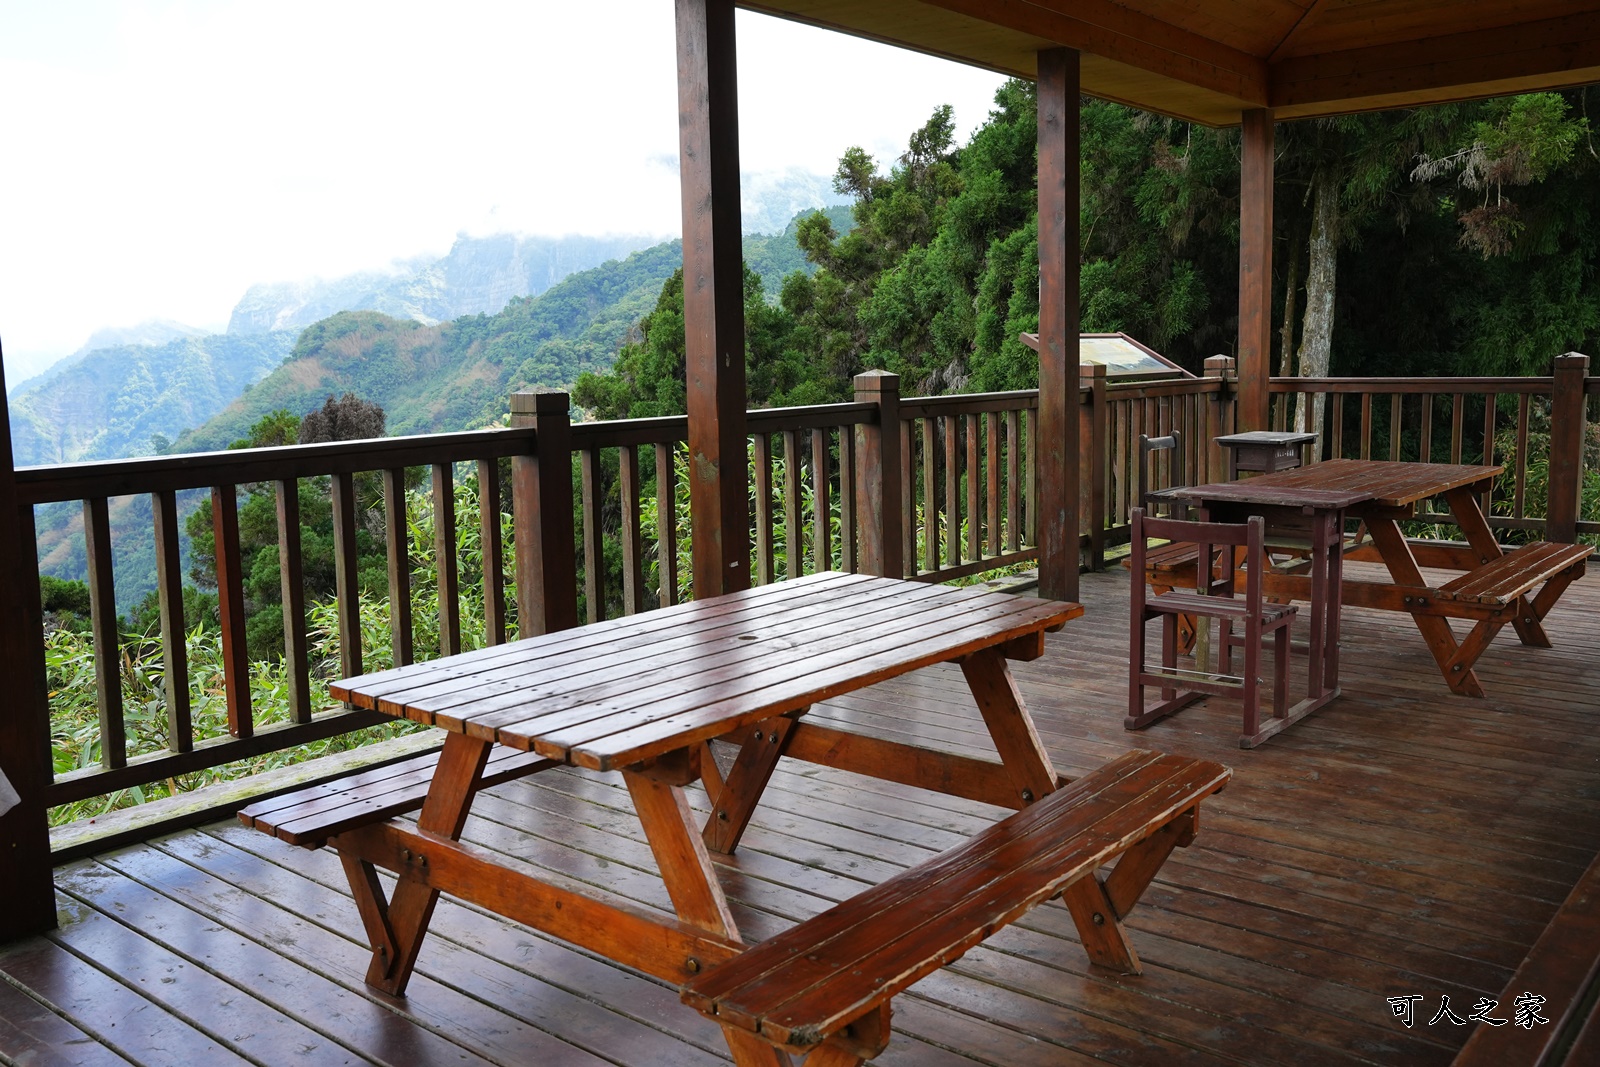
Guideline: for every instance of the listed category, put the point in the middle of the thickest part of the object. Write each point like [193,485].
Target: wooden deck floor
[1401,842]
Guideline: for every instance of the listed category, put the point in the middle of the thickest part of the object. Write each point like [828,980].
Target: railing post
[1221,368]
[1567,415]
[541,506]
[26,882]
[1092,446]
[878,486]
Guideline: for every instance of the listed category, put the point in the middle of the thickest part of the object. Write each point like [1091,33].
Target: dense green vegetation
[1451,240]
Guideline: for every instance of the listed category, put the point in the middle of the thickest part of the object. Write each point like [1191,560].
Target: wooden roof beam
[1551,53]
[1113,32]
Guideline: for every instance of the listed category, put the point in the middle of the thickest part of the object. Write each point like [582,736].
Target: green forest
[1457,239]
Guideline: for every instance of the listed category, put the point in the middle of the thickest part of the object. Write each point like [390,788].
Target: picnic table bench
[644,695]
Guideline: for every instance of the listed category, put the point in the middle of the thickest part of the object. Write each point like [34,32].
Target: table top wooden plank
[871,661]
[363,690]
[1342,483]
[634,686]
[721,674]
[437,688]
[624,682]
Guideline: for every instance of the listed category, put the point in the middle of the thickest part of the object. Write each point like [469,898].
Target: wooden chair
[1215,596]
[1167,567]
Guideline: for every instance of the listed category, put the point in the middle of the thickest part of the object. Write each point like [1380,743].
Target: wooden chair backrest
[1208,537]
[1176,474]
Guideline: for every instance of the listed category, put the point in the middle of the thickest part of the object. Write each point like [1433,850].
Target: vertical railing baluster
[764,552]
[1031,478]
[1457,414]
[444,558]
[908,497]
[1395,405]
[1119,462]
[296,653]
[347,573]
[397,542]
[822,504]
[793,513]
[930,499]
[975,467]
[1520,492]
[848,558]
[230,609]
[1336,428]
[491,547]
[994,455]
[174,650]
[952,490]
[1013,479]
[1488,448]
[1425,450]
[1366,426]
[107,640]
[667,520]
[594,549]
[632,538]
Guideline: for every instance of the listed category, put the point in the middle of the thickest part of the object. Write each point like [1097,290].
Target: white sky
[161,156]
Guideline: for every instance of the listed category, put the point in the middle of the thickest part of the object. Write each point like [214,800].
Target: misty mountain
[126,400]
[478,276]
[457,374]
[154,332]
[769,202]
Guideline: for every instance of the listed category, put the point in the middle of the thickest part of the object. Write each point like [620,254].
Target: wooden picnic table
[645,695]
[1496,586]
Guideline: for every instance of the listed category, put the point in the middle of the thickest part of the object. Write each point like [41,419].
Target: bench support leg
[374,910]
[733,806]
[751,1051]
[1435,630]
[1099,927]
[1010,725]
[1138,866]
[403,920]
[1475,528]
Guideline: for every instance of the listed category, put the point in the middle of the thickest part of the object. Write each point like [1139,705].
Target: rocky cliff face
[479,276]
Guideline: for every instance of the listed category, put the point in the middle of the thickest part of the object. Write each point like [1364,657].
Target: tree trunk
[1316,336]
[1291,291]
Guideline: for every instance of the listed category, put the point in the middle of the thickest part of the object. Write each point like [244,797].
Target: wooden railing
[1535,427]
[926,488]
[221,473]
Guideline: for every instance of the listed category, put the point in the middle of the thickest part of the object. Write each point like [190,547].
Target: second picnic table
[1496,586]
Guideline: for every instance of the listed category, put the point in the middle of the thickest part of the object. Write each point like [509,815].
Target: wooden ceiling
[1209,60]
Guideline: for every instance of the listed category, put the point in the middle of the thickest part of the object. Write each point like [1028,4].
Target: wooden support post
[541,502]
[1222,414]
[1255,269]
[26,884]
[878,465]
[1093,445]
[1567,416]
[1057,458]
[713,296]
